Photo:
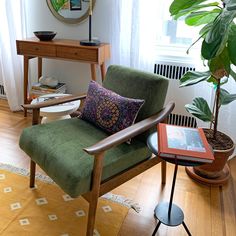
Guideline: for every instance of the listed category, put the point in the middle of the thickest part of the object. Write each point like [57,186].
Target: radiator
[181,120]
[2,92]
[180,96]
[172,71]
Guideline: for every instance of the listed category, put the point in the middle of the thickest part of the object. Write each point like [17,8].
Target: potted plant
[218,50]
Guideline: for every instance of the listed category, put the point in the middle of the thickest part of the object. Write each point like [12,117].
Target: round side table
[166,212]
[58,112]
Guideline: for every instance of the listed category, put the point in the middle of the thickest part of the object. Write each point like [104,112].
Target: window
[174,37]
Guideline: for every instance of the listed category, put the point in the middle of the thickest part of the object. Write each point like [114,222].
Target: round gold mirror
[70,11]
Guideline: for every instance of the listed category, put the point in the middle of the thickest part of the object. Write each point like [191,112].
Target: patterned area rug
[46,210]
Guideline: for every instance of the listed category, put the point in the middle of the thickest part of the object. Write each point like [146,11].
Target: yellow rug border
[129,203]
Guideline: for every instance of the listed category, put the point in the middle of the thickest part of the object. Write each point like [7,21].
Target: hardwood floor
[208,210]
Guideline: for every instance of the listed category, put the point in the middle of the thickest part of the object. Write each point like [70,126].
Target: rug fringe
[25,172]
[123,201]
[44,178]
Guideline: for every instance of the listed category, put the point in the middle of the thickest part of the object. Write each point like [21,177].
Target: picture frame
[75,5]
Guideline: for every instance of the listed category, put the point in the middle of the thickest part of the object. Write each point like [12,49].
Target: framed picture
[75,5]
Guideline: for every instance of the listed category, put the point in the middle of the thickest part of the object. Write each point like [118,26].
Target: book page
[184,138]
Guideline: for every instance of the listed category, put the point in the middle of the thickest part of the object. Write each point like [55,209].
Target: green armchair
[83,159]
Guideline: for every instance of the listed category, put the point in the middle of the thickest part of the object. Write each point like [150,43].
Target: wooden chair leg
[35,121]
[96,181]
[163,172]
[91,216]
[32,173]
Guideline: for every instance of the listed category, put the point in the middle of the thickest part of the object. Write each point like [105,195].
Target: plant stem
[217,108]
[213,111]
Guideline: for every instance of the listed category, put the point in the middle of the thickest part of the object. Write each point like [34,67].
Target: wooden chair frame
[98,187]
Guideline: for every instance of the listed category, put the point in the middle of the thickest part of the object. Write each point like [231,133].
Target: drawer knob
[76,53]
[36,49]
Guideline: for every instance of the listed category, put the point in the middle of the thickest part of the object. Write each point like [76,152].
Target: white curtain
[12,28]
[134,33]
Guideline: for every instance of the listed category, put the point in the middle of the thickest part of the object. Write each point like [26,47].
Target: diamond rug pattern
[47,211]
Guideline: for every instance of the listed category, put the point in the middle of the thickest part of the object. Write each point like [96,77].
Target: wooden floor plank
[217,222]
[209,211]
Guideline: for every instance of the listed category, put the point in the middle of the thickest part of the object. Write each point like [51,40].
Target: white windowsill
[177,54]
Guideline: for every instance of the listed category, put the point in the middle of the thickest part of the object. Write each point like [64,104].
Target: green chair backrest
[134,83]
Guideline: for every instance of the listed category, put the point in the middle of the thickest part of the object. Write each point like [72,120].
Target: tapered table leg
[26,72]
[93,72]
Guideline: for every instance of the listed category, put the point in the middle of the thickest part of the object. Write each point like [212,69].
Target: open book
[184,143]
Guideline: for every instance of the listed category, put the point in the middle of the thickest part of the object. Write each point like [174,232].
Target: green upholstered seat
[58,149]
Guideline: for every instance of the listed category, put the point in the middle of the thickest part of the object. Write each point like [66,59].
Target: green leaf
[226,97]
[220,26]
[216,39]
[178,5]
[195,8]
[209,50]
[200,109]
[194,77]
[206,29]
[232,43]
[201,17]
[220,62]
[230,5]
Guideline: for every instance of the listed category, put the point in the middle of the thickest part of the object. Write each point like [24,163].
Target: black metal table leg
[186,228]
[169,213]
[155,230]
[172,189]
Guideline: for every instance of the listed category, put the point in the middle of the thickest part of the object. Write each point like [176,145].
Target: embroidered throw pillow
[108,110]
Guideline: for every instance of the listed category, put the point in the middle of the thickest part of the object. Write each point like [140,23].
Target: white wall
[76,75]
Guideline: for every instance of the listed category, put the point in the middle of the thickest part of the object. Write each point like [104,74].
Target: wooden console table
[64,49]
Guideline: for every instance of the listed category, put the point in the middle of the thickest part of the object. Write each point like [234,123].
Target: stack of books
[39,89]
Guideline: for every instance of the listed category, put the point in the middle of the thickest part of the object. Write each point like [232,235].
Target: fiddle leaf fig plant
[218,50]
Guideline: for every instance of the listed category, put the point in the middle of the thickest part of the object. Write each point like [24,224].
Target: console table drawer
[36,49]
[83,54]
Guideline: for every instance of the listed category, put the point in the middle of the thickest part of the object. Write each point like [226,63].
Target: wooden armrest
[53,102]
[130,132]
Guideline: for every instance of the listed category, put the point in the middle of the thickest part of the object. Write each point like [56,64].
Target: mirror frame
[69,20]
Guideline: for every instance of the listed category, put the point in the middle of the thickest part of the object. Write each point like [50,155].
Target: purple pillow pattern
[108,110]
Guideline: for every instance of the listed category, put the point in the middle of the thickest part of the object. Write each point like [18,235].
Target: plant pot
[214,169]
[215,173]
